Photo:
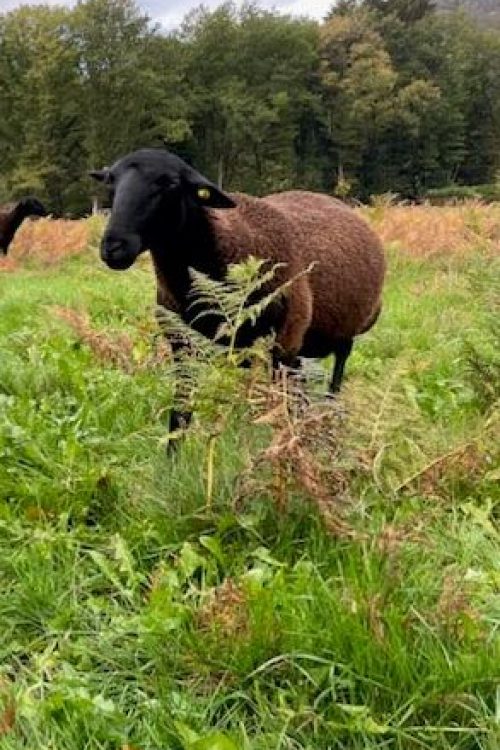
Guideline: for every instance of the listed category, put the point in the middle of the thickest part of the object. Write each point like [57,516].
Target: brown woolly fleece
[162,204]
[339,299]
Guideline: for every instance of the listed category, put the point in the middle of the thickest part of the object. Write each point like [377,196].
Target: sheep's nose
[120,251]
[112,247]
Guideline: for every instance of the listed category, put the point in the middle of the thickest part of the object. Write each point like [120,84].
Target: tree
[407,11]
[41,138]
[359,85]
[111,37]
[249,72]
[385,94]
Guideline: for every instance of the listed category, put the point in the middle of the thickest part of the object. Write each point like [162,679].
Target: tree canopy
[383,95]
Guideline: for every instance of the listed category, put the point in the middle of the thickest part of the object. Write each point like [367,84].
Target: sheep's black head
[30,206]
[151,192]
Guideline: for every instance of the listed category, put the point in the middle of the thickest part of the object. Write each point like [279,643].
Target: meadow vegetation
[321,577]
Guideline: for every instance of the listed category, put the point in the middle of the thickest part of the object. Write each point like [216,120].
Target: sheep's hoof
[179,421]
[333,396]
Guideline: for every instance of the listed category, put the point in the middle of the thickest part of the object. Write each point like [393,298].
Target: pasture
[329,583]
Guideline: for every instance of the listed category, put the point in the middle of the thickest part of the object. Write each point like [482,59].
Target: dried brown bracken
[425,230]
[302,451]
[463,461]
[225,609]
[48,241]
[116,349]
[7,708]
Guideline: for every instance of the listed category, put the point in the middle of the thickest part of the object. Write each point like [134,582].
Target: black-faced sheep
[162,204]
[13,214]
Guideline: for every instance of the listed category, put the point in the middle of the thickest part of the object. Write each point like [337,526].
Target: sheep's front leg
[165,299]
[178,419]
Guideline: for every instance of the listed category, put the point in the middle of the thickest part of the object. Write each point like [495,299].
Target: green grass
[488,192]
[133,616]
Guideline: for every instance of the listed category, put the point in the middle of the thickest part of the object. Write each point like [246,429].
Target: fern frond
[214,295]
[207,373]
[172,325]
[253,312]
[255,279]
[231,298]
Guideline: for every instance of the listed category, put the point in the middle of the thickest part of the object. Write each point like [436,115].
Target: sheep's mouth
[120,263]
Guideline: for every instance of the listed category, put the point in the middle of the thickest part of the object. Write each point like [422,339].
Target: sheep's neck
[194,246]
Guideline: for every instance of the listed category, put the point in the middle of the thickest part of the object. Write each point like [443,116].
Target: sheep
[13,214]
[161,203]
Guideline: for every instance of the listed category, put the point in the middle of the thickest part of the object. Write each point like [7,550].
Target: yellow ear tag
[204,194]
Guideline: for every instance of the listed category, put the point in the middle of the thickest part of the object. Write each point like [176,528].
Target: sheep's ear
[25,203]
[206,193]
[101,175]
[32,206]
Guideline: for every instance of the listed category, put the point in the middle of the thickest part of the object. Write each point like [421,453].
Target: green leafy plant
[211,382]
[134,618]
[483,350]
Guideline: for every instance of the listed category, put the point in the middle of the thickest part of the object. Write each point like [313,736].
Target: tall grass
[341,587]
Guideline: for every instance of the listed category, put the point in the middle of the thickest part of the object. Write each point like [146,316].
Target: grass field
[354,604]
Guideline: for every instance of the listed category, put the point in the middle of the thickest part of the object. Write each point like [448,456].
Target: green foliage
[407,11]
[489,192]
[384,95]
[134,616]
[483,348]
[209,377]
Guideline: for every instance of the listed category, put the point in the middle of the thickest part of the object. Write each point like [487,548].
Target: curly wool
[341,296]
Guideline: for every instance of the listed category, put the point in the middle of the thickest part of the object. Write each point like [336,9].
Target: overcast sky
[170,12]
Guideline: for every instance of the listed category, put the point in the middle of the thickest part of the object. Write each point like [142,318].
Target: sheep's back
[254,227]
[347,278]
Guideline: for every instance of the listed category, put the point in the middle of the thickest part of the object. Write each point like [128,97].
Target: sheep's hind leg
[290,341]
[342,350]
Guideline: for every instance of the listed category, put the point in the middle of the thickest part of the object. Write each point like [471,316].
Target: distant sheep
[13,214]
[162,204]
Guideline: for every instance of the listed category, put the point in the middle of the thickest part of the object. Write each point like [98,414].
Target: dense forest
[485,11]
[383,95]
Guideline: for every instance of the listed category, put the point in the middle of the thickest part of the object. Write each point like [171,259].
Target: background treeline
[384,95]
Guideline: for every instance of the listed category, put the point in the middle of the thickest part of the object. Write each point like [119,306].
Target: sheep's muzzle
[119,252]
